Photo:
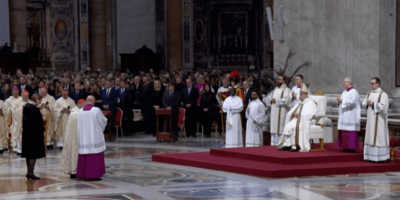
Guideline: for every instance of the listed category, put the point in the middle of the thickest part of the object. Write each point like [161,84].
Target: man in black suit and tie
[67,85]
[23,86]
[146,101]
[40,86]
[171,101]
[253,83]
[125,100]
[117,84]
[78,93]
[247,96]
[109,97]
[137,93]
[189,98]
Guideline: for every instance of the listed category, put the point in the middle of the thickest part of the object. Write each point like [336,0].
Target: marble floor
[132,175]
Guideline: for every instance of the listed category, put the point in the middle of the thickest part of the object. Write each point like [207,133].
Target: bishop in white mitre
[376,143]
[46,108]
[62,108]
[296,89]
[295,136]
[16,127]
[255,115]
[279,102]
[349,117]
[233,107]
[7,109]
[69,155]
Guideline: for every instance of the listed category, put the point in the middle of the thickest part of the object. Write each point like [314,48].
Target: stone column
[174,26]
[97,35]
[18,25]
[48,27]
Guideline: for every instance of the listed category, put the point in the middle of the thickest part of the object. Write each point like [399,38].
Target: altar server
[16,127]
[69,155]
[296,89]
[233,106]
[295,136]
[349,117]
[46,107]
[62,109]
[279,102]
[376,143]
[255,115]
[91,125]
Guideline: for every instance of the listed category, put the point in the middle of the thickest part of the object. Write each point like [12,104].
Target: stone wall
[341,38]
[136,25]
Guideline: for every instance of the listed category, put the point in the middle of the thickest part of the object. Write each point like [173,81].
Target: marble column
[18,25]
[97,35]
[174,27]
[48,27]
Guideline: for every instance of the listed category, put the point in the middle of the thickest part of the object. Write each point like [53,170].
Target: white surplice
[7,111]
[50,101]
[91,125]
[282,95]
[255,115]
[266,126]
[349,111]
[233,107]
[376,143]
[69,155]
[60,119]
[296,89]
[306,110]
[3,127]
[16,126]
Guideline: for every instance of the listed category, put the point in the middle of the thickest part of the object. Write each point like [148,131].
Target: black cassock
[32,133]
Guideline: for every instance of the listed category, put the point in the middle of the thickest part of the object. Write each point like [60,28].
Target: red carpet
[269,162]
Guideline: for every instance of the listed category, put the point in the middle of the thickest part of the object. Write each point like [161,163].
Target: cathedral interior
[336,38]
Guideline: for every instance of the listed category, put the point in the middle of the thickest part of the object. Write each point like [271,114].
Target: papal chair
[320,125]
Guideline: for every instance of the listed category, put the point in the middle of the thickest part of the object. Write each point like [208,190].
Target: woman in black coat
[207,104]
[32,135]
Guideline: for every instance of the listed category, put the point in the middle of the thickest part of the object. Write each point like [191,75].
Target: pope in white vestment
[69,155]
[349,118]
[91,125]
[233,107]
[279,102]
[61,111]
[16,126]
[255,115]
[46,108]
[295,136]
[376,143]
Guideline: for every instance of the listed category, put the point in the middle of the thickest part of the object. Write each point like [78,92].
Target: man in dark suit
[40,86]
[117,84]
[247,96]
[137,93]
[23,86]
[109,97]
[253,83]
[171,101]
[125,99]
[78,93]
[146,101]
[189,98]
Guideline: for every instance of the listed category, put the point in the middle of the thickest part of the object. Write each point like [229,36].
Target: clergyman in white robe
[296,132]
[16,127]
[349,119]
[296,90]
[233,107]
[279,110]
[7,109]
[255,115]
[69,155]
[46,108]
[376,143]
[61,118]
[3,128]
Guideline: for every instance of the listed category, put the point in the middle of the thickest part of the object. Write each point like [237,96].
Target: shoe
[50,147]
[1,151]
[95,179]
[18,154]
[343,150]
[284,148]
[32,177]
[72,176]
[294,150]
[60,148]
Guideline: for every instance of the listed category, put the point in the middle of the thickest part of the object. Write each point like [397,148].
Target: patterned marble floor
[132,175]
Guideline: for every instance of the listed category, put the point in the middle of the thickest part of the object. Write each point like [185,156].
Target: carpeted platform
[269,162]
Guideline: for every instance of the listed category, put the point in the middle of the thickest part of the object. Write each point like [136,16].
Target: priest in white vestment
[349,117]
[296,89]
[69,155]
[3,128]
[295,136]
[46,108]
[255,115]
[7,109]
[233,107]
[279,101]
[376,143]
[16,127]
[91,125]
[62,108]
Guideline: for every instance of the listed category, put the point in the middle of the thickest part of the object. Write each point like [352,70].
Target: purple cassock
[92,165]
